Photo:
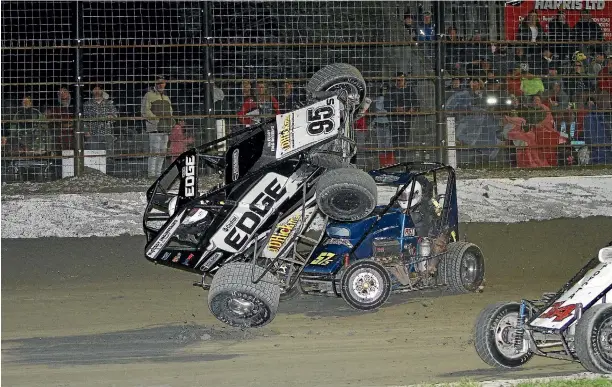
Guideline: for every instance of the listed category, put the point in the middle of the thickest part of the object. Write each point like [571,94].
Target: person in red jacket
[262,106]
[178,140]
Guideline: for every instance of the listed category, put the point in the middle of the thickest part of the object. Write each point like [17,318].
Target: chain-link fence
[127,86]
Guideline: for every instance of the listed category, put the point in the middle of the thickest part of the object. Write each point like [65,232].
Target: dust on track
[94,312]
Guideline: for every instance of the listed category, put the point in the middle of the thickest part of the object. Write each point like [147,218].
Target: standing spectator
[99,133]
[559,31]
[290,97]
[586,30]
[402,100]
[382,128]
[263,104]
[531,30]
[578,83]
[29,136]
[62,131]
[411,31]
[597,63]
[179,140]
[156,107]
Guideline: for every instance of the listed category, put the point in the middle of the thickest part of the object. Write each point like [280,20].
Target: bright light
[508,102]
[491,101]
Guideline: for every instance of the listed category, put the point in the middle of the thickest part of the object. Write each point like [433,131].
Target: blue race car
[410,243]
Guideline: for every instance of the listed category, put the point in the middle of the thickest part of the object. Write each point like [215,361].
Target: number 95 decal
[320,119]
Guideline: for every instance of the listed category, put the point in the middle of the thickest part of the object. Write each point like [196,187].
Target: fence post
[208,105]
[441,51]
[79,161]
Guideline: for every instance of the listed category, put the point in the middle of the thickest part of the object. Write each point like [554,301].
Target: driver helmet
[417,196]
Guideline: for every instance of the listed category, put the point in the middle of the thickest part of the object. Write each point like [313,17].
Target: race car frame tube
[434,167]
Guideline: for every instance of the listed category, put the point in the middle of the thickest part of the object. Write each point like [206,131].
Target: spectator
[586,30]
[99,133]
[63,129]
[531,30]
[262,104]
[29,136]
[409,26]
[531,84]
[381,126]
[559,31]
[578,84]
[541,63]
[454,51]
[178,140]
[597,63]
[426,30]
[597,131]
[556,98]
[289,99]
[402,100]
[156,108]
[604,80]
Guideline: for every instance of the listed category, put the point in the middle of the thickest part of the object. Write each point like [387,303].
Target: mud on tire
[493,338]
[462,267]
[339,76]
[346,194]
[593,339]
[235,300]
[365,285]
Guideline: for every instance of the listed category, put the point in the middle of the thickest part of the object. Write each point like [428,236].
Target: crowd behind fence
[130,85]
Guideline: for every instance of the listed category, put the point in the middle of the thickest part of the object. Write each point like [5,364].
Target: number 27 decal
[559,312]
[323,259]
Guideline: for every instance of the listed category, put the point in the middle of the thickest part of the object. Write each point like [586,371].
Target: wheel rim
[469,269]
[604,340]
[240,307]
[366,285]
[505,331]
[352,92]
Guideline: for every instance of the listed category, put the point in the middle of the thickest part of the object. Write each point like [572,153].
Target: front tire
[462,267]
[494,336]
[366,285]
[238,302]
[346,194]
[339,77]
[593,339]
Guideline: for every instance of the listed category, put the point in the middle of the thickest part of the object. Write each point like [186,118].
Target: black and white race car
[276,175]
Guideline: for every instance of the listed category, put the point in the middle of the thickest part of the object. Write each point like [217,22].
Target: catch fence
[469,83]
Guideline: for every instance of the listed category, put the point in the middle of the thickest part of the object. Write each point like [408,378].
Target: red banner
[516,12]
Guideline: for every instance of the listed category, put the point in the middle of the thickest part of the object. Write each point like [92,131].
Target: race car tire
[339,76]
[492,336]
[359,280]
[329,161]
[593,339]
[462,267]
[346,194]
[235,300]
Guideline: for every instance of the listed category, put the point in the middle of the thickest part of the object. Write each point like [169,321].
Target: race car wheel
[593,339]
[366,285]
[494,336]
[234,299]
[346,194]
[339,77]
[462,267]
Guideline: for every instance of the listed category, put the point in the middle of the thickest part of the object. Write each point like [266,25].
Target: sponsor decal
[254,208]
[211,261]
[588,280]
[230,223]
[323,259]
[165,256]
[286,133]
[164,235]
[188,259]
[408,232]
[176,258]
[410,249]
[386,178]
[282,233]
[271,134]
[559,312]
[235,165]
[189,176]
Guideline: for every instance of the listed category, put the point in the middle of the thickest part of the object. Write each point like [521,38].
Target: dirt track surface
[94,312]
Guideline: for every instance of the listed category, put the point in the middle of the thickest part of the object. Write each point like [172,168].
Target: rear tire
[593,339]
[494,336]
[462,267]
[336,77]
[236,301]
[346,194]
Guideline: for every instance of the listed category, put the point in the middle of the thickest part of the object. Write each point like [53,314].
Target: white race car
[573,324]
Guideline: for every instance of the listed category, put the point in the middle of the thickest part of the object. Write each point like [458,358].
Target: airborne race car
[573,324]
[278,176]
